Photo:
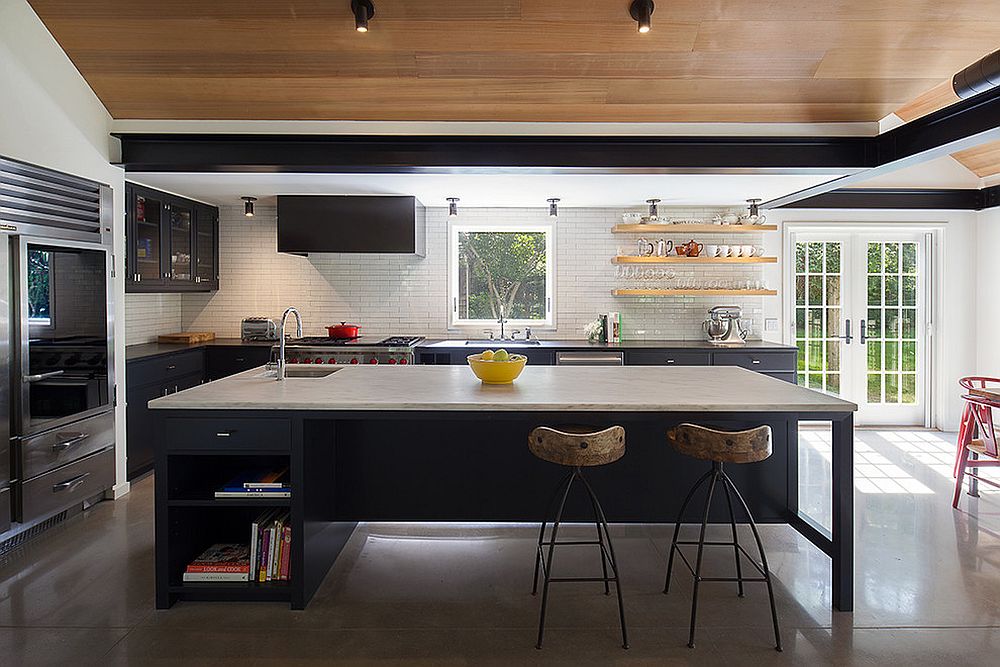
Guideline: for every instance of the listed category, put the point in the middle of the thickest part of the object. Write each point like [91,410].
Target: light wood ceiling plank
[983,161]
[937,97]
[764,91]
[929,63]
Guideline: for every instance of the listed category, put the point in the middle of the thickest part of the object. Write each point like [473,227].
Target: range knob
[331,360]
[373,361]
[307,360]
[392,361]
[354,361]
[293,360]
[319,360]
[403,361]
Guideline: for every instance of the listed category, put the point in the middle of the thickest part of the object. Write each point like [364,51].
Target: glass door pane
[819,314]
[205,238]
[147,238]
[181,266]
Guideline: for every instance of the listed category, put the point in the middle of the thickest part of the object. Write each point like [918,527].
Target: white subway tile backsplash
[399,294]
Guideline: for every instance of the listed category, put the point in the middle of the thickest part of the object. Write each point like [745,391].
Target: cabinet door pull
[42,376]
[224,434]
[670,361]
[70,484]
[73,439]
[171,367]
[755,361]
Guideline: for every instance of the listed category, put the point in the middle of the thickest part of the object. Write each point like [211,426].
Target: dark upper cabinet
[172,242]
[351,224]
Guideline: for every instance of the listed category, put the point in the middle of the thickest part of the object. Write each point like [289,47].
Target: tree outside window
[39,277]
[501,271]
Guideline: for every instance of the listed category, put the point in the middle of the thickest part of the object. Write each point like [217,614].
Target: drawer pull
[70,484]
[240,359]
[73,439]
[755,361]
[42,376]
[171,367]
[670,361]
[224,434]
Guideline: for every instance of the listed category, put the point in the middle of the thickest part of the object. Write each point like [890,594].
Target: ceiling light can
[248,206]
[554,207]
[452,206]
[363,11]
[642,12]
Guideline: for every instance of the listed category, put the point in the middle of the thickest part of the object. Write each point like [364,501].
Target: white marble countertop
[545,388]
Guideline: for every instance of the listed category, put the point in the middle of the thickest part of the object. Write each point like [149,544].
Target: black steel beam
[899,198]
[990,197]
[443,154]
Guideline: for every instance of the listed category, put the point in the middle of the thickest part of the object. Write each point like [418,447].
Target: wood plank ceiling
[518,60]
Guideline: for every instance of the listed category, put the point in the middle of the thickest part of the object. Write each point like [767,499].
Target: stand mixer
[723,327]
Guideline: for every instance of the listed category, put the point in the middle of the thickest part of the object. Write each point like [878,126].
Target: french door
[859,319]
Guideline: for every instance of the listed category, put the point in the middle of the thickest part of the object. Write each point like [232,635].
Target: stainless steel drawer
[63,487]
[48,451]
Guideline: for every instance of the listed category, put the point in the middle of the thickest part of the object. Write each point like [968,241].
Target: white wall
[984,299]
[49,116]
[398,294]
[955,334]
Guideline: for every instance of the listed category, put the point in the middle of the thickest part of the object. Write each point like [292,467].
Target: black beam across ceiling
[250,153]
[897,198]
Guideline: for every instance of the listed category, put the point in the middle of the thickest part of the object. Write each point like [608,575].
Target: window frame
[457,227]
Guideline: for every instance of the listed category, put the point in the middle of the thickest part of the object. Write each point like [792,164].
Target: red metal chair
[977,438]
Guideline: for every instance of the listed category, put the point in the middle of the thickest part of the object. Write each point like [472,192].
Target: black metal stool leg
[677,528]
[763,559]
[701,549]
[600,536]
[541,532]
[611,554]
[548,560]
[736,539]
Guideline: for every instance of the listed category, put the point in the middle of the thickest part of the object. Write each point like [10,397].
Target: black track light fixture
[554,207]
[248,206]
[453,206]
[653,212]
[363,10]
[642,12]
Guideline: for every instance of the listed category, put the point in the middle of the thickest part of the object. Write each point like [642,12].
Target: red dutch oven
[343,330]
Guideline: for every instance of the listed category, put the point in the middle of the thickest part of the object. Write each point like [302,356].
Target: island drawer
[166,368]
[44,452]
[668,358]
[184,433]
[758,361]
[67,485]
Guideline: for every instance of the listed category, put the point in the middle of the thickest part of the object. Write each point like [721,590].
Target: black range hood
[351,224]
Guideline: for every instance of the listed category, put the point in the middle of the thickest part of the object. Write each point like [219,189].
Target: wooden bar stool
[721,447]
[578,448]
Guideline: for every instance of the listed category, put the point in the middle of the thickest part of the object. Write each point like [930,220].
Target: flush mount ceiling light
[452,206]
[248,206]
[554,207]
[642,12]
[363,10]
[653,213]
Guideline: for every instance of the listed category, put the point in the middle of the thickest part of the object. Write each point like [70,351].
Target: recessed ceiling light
[363,10]
[452,206]
[642,12]
[248,206]
[554,207]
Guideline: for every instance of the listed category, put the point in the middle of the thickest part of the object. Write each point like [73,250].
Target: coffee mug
[758,251]
[723,251]
[631,217]
[747,250]
[711,250]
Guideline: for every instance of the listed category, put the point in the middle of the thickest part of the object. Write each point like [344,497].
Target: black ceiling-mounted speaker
[980,76]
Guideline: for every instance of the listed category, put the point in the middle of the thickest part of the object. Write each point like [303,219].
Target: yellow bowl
[496,372]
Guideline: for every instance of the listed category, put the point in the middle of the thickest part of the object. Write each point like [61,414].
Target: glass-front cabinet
[172,243]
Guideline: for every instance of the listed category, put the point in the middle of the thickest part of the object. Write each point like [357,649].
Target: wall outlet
[770,324]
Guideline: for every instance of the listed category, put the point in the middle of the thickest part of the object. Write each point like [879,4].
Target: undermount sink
[497,342]
[293,372]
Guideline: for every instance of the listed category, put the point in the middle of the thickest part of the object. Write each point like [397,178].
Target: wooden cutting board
[189,337]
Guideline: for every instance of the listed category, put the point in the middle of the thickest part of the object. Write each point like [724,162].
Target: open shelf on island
[658,228]
[694,292]
[652,259]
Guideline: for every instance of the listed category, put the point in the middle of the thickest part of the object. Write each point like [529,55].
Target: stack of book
[220,562]
[257,484]
[270,546]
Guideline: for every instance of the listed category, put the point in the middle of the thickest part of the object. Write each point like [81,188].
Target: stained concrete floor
[928,582]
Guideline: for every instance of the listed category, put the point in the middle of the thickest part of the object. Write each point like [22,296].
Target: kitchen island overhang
[431,443]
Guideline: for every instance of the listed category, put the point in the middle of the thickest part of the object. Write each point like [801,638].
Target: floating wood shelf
[652,259]
[657,228]
[694,292]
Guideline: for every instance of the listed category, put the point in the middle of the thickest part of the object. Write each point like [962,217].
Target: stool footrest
[757,566]
[545,565]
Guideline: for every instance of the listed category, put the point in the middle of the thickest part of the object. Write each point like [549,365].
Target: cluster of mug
[692,248]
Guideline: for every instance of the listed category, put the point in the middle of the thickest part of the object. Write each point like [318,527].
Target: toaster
[258,328]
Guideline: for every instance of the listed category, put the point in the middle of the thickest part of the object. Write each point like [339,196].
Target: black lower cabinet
[223,361]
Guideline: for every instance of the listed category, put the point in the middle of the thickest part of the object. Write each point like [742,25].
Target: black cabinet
[668,358]
[222,362]
[172,242]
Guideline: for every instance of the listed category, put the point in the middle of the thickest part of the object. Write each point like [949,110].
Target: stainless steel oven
[62,368]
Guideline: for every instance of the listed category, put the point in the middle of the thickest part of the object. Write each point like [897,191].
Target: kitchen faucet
[281,344]
[502,321]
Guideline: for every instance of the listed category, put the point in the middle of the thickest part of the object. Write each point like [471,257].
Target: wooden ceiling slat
[936,63]
[983,161]
[763,91]
[937,97]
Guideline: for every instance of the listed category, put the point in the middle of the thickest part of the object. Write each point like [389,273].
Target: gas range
[394,350]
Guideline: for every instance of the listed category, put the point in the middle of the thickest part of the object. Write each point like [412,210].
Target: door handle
[864,332]
[73,439]
[70,484]
[42,376]
[847,332]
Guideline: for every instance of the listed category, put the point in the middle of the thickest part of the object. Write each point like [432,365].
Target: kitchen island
[431,443]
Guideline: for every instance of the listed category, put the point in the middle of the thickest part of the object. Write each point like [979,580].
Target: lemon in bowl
[497,367]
